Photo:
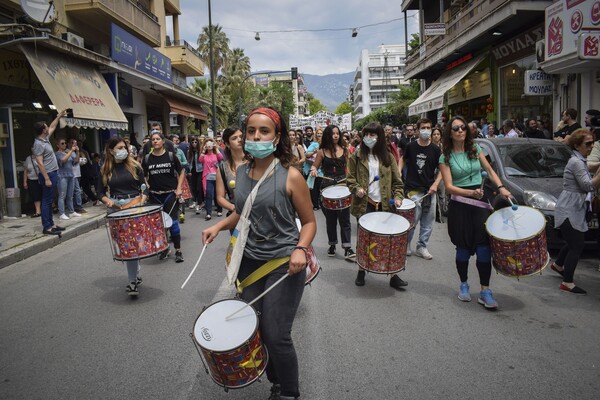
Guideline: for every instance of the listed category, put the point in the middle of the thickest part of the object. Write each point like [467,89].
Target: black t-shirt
[534,134]
[421,164]
[404,141]
[122,183]
[162,171]
[567,130]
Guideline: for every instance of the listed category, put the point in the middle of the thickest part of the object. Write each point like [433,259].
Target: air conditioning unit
[173,119]
[73,39]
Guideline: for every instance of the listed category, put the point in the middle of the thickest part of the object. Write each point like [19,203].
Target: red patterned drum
[518,241]
[407,210]
[382,242]
[313,268]
[336,197]
[137,232]
[186,193]
[232,351]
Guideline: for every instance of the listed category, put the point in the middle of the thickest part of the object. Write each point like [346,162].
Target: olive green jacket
[390,183]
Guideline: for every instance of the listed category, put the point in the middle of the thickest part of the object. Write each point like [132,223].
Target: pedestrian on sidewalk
[122,177]
[77,198]
[461,163]
[67,157]
[48,171]
[31,183]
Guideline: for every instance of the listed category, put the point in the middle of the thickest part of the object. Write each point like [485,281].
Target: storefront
[469,97]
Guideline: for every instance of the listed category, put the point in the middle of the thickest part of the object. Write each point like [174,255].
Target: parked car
[532,170]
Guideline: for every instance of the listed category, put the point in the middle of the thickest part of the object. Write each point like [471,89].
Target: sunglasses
[62,143]
[590,143]
[457,128]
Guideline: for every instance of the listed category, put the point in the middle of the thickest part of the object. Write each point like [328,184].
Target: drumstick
[195,266]
[333,179]
[227,318]
[513,205]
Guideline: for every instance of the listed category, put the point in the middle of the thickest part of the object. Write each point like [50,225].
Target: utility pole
[212,72]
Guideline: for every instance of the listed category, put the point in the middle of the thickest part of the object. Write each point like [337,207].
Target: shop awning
[185,108]
[77,85]
[433,97]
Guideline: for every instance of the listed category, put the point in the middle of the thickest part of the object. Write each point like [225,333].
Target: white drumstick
[195,266]
[422,197]
[258,298]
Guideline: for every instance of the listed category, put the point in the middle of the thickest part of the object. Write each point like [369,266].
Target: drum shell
[135,235]
[225,367]
[337,203]
[186,193]
[408,213]
[312,268]
[381,253]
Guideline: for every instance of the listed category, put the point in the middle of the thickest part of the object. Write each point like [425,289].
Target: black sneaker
[178,256]
[59,228]
[207,218]
[360,278]
[349,254]
[164,254]
[138,281]
[51,231]
[331,251]
[132,289]
[275,392]
[397,283]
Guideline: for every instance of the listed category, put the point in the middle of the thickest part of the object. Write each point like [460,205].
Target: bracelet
[304,249]
[500,187]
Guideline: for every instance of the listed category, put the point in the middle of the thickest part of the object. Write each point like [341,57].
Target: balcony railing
[182,43]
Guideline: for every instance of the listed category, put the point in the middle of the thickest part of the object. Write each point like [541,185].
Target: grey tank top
[273,230]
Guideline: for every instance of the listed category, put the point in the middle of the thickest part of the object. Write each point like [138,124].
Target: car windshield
[534,160]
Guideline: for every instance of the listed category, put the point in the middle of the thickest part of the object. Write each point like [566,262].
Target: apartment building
[377,76]
[110,61]
[296,82]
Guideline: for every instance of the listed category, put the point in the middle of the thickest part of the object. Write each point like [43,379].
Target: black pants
[332,217]
[569,254]
[315,192]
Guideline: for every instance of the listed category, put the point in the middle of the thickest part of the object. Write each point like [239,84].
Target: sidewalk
[21,238]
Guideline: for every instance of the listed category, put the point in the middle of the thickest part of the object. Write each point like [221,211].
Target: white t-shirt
[373,190]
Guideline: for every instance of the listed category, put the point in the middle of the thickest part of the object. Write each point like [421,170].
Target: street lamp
[212,72]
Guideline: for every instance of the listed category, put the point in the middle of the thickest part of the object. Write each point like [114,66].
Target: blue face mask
[259,149]
[369,141]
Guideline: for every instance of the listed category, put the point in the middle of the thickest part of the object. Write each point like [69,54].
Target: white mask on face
[121,154]
[369,142]
[425,134]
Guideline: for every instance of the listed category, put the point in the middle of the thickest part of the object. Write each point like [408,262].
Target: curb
[36,246]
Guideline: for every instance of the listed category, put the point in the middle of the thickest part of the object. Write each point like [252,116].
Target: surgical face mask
[369,141]
[121,154]
[259,149]
[425,134]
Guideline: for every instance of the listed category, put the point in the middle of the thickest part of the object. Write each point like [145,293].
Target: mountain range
[330,89]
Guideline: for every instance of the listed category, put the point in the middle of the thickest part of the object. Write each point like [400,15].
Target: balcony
[469,27]
[172,7]
[126,13]
[184,57]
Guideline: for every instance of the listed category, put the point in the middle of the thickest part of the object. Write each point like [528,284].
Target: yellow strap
[413,193]
[261,272]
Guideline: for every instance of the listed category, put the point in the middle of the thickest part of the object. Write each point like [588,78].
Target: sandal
[36,215]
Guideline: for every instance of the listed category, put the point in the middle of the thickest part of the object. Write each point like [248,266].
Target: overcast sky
[318,53]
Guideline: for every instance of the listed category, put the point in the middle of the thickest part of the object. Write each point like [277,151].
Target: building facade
[111,62]
[296,83]
[377,76]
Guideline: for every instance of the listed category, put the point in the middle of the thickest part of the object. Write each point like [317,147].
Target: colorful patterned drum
[232,351]
[382,242]
[336,197]
[518,241]
[313,268]
[136,233]
[186,193]
[407,210]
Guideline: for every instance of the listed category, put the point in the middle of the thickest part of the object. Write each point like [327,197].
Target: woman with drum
[572,207]
[273,234]
[461,163]
[121,179]
[373,178]
[165,176]
[332,158]
[234,157]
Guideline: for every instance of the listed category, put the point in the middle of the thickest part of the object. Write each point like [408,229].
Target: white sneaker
[409,251]
[423,253]
[64,217]
[75,214]
[193,205]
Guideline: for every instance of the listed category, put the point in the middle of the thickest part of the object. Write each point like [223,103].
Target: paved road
[68,330]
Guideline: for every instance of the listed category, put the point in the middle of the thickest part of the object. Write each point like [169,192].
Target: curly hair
[283,150]
[447,145]
[109,162]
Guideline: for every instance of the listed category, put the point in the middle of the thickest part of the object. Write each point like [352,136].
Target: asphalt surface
[69,331]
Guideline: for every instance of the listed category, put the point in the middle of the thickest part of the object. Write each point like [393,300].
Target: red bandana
[269,112]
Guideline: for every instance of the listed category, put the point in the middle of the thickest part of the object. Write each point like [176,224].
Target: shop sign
[565,20]
[589,44]
[519,46]
[473,86]
[435,29]
[537,83]
[15,72]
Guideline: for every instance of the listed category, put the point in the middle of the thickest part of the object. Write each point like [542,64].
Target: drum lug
[199,353]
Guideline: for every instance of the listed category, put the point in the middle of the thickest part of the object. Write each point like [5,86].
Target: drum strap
[260,273]
[472,202]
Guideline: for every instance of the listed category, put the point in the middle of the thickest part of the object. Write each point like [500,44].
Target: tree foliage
[315,105]
[344,108]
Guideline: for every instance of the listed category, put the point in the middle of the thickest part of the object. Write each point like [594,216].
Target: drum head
[384,223]
[336,192]
[213,333]
[134,211]
[508,224]
[407,204]
[168,220]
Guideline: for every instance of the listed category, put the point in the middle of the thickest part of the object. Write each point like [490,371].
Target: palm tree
[201,87]
[237,65]
[220,47]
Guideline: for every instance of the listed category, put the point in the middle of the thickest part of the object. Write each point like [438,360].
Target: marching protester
[372,159]
[165,175]
[311,155]
[234,157]
[460,164]
[121,180]
[332,158]
[273,234]
[297,150]
[210,157]
[195,174]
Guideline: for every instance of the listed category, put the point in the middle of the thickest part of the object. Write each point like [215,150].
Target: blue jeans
[47,198]
[424,216]
[77,193]
[210,197]
[65,191]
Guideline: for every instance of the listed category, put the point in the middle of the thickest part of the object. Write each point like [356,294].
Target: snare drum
[336,197]
[136,233]
[186,193]
[232,351]
[312,268]
[407,210]
[382,242]
[518,241]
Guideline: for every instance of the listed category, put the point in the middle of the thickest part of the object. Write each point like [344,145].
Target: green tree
[277,95]
[315,105]
[201,88]
[413,44]
[220,47]
[344,108]
[402,100]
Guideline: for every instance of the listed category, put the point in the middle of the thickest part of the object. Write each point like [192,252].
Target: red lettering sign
[576,21]
[595,13]
[90,101]
[590,46]
[555,36]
